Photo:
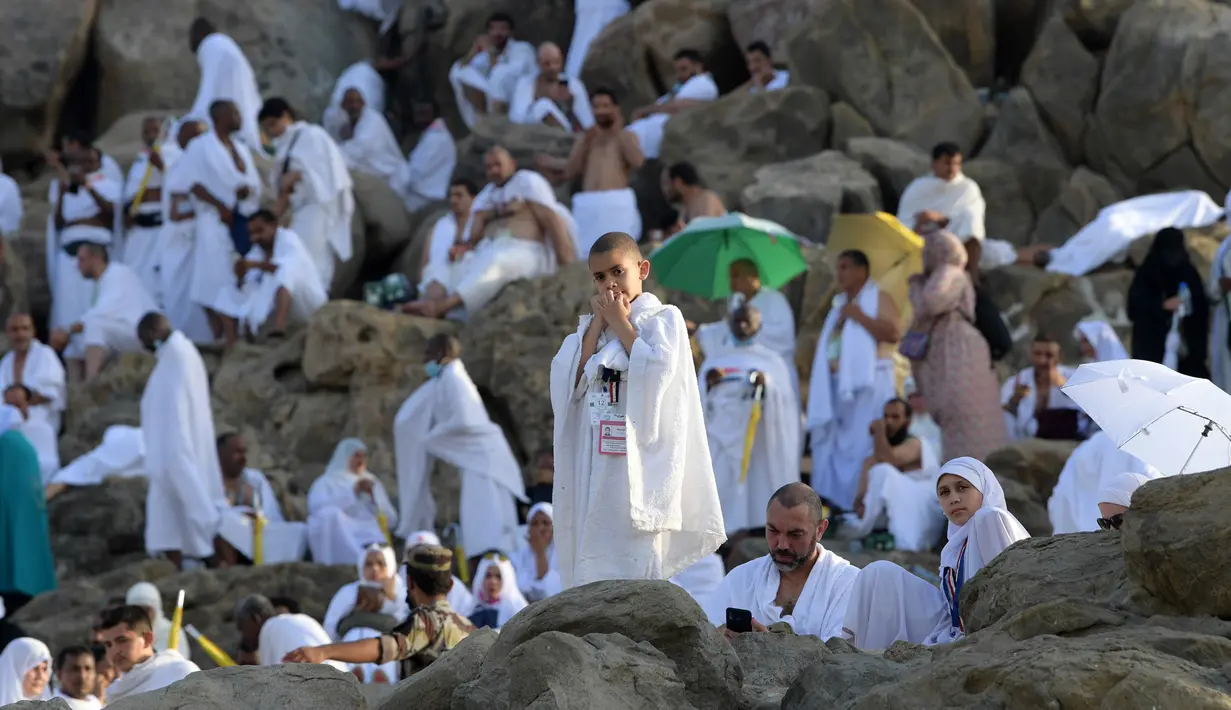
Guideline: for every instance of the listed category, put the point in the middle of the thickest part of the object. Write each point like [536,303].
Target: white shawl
[10,206]
[43,374]
[523,186]
[511,599]
[856,359]
[960,200]
[526,565]
[226,74]
[523,101]
[161,670]
[372,149]
[19,658]
[336,486]
[208,163]
[326,179]
[121,297]
[1102,337]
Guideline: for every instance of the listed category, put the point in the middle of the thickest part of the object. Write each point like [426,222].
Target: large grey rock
[523,141]
[967,30]
[882,58]
[804,195]
[1022,139]
[771,663]
[658,612]
[1063,80]
[293,685]
[847,126]
[844,675]
[664,27]
[1010,216]
[768,21]
[893,163]
[432,688]
[1079,202]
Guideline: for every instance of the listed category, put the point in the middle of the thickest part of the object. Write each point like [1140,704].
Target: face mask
[432,368]
[157,344]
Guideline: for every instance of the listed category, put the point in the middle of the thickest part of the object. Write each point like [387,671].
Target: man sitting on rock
[1033,404]
[432,629]
[549,97]
[681,185]
[37,431]
[517,230]
[799,583]
[266,637]
[448,230]
[429,167]
[249,494]
[35,365]
[484,79]
[694,87]
[603,159]
[128,636]
[761,70]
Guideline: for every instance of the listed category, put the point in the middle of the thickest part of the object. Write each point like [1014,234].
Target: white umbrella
[1176,423]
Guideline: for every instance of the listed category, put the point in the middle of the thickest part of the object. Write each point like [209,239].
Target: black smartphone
[739,620]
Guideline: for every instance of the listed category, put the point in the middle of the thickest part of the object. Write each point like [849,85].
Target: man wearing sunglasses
[1115,497]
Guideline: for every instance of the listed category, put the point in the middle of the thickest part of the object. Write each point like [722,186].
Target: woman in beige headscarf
[955,374]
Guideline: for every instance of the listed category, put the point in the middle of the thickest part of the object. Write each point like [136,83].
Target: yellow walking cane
[177,622]
[382,521]
[754,418]
[459,554]
[258,531]
[217,655]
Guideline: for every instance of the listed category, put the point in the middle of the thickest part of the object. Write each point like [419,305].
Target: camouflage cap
[430,558]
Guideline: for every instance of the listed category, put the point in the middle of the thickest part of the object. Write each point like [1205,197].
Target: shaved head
[793,495]
[499,165]
[551,60]
[617,242]
[443,346]
[549,49]
[745,322]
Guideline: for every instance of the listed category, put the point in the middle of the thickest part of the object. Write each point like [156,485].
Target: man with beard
[603,159]
[776,588]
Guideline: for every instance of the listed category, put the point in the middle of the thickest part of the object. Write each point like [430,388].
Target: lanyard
[611,384]
[952,586]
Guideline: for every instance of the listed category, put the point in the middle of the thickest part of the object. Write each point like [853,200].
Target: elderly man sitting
[550,97]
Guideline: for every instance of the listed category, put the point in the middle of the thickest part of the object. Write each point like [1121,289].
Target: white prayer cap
[1118,490]
[421,537]
[385,551]
[544,508]
[144,594]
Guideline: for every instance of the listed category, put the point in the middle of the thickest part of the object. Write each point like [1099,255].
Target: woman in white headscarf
[1115,496]
[144,594]
[537,578]
[344,506]
[459,598]
[25,669]
[368,607]
[1099,342]
[888,603]
[497,597]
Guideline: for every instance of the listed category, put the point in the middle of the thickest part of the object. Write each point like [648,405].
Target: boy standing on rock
[629,434]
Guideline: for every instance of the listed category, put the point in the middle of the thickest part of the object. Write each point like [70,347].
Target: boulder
[1079,202]
[1010,216]
[387,225]
[1028,471]
[556,669]
[1165,60]
[1063,80]
[771,663]
[432,688]
[14,281]
[523,141]
[1093,21]
[1018,23]
[349,341]
[1081,566]
[296,50]
[967,30]
[95,529]
[847,126]
[1168,538]
[804,195]
[768,21]
[893,163]
[844,675]
[41,60]
[1021,139]
[882,58]
[731,138]
[619,61]
[657,612]
[664,27]
[294,685]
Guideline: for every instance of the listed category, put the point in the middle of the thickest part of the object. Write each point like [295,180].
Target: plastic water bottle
[1186,300]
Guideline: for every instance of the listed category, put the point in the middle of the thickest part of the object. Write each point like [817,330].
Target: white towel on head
[1119,490]
[856,360]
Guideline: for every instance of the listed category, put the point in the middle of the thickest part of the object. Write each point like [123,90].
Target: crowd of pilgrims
[864,456]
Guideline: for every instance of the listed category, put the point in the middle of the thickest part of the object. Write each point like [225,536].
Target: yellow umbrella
[894,252]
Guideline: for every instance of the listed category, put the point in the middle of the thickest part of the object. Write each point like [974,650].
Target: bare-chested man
[518,231]
[603,158]
[682,185]
[549,96]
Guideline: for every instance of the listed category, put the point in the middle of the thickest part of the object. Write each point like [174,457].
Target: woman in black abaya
[1154,297]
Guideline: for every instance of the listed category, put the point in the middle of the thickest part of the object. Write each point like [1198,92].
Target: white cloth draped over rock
[1102,337]
[534,587]
[161,670]
[297,272]
[658,504]
[902,501]
[777,329]
[819,611]
[1220,327]
[428,168]
[1073,506]
[701,579]
[525,108]
[342,522]
[774,460]
[111,322]
[1107,238]
[147,595]
[322,203]
[284,633]
[43,374]
[1023,425]
[21,656]
[495,78]
[227,75]
[649,130]
[140,247]
[842,405]
[10,206]
[890,604]
[210,165]
[362,77]
[445,419]
[185,499]
[459,596]
[281,541]
[177,246]
[959,200]
[121,454]
[591,17]
[71,293]
[511,600]
[601,211]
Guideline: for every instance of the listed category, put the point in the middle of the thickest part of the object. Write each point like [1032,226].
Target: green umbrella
[697,260]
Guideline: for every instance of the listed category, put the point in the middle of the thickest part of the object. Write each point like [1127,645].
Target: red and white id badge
[611,438]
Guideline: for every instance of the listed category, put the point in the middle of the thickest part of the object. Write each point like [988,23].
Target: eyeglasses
[1112,523]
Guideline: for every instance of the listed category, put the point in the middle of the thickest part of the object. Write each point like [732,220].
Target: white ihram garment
[445,419]
[362,77]
[657,504]
[72,293]
[342,522]
[902,501]
[226,74]
[161,670]
[286,632]
[111,322]
[534,587]
[442,239]
[777,329]
[10,206]
[603,211]
[1023,424]
[525,108]
[428,168]
[774,460]
[819,611]
[296,272]
[1073,506]
[649,130]
[185,499]
[959,200]
[177,247]
[495,78]
[121,454]
[141,247]
[42,374]
[281,541]
[701,579]
[373,149]
[592,17]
